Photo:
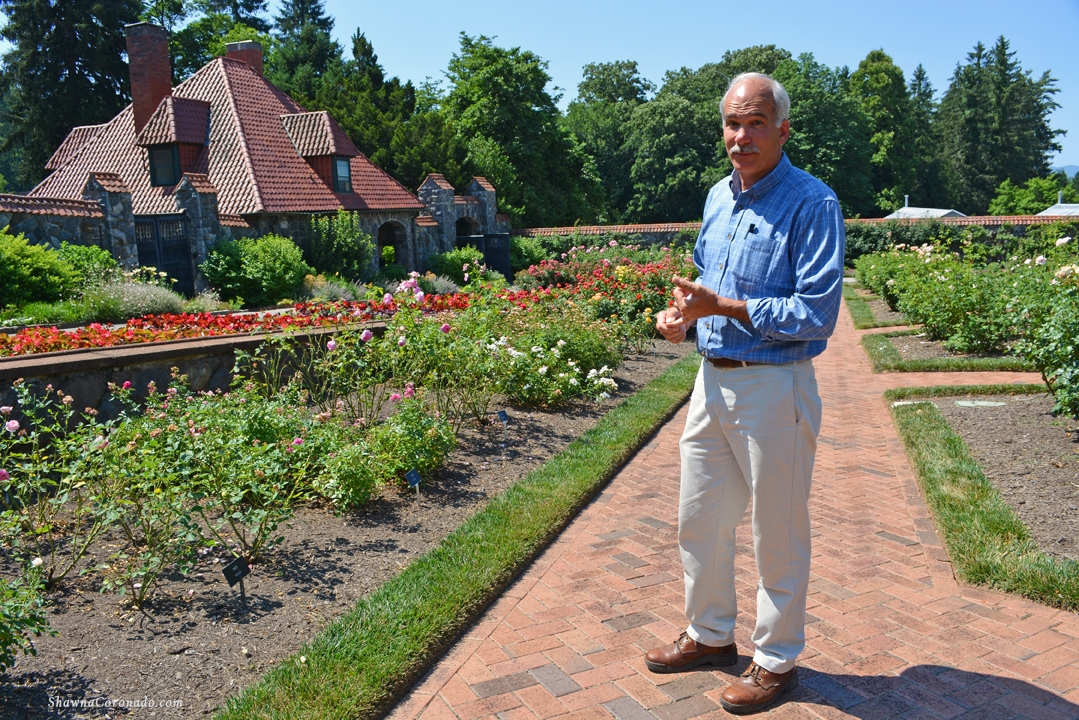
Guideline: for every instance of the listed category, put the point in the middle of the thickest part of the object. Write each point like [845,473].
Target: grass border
[987,542]
[885,358]
[860,312]
[364,661]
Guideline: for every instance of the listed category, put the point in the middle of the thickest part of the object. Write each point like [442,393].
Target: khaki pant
[751,433]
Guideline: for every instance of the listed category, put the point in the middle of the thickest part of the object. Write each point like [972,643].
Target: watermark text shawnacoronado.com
[57,702]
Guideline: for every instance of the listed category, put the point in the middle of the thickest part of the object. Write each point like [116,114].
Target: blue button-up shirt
[779,246]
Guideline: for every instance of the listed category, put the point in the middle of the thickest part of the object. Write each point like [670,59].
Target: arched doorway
[392,244]
[467,226]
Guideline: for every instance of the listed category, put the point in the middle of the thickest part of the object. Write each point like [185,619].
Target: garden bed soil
[194,642]
[1031,457]
[918,347]
[883,313]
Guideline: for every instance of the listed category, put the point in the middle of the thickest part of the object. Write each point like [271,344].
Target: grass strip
[964,391]
[885,358]
[988,543]
[860,312]
[365,660]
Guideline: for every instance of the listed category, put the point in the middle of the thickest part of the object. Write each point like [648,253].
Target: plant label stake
[413,479]
[505,418]
[235,572]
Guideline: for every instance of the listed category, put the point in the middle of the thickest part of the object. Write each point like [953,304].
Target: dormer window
[164,165]
[342,175]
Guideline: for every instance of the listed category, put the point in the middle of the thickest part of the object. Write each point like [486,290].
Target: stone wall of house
[199,202]
[117,233]
[51,230]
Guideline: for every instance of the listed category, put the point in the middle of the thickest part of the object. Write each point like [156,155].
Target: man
[770,260]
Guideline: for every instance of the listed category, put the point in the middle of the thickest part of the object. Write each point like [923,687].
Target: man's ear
[784,131]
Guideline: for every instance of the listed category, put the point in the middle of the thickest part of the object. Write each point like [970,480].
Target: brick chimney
[247,51]
[151,75]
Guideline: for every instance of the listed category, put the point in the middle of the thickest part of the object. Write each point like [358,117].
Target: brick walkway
[891,634]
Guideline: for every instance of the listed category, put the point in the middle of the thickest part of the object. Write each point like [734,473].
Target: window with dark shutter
[342,175]
[164,165]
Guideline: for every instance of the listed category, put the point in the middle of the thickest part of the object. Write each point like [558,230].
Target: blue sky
[415,40]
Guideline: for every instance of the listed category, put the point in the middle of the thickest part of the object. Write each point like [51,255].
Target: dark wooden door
[164,244]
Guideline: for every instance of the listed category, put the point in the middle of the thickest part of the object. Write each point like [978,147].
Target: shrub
[329,289]
[525,252]
[440,285]
[94,266]
[351,477]
[451,264]
[410,438]
[206,301]
[118,301]
[32,273]
[339,246]
[21,614]
[259,272]
[389,276]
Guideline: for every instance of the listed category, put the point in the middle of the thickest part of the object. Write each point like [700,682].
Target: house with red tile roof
[226,154]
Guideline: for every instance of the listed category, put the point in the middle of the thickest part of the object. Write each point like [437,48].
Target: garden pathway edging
[891,632]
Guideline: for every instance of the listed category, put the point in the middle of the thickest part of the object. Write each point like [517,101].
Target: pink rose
[410,391]
[366,335]
[4,476]
[5,410]
[387,299]
[445,327]
[331,345]
[126,385]
[400,342]
[420,296]
[466,277]
[297,441]
[395,397]
[12,426]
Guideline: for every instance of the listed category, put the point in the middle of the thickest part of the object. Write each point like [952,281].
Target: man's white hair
[780,99]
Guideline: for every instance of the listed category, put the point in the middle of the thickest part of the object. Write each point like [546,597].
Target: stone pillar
[111,192]
[197,197]
[437,194]
[485,191]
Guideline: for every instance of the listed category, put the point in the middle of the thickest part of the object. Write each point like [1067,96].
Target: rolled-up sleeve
[817,247]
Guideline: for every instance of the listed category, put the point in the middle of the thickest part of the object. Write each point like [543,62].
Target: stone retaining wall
[85,374]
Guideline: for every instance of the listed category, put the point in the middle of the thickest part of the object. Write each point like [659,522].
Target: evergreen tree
[994,125]
[880,88]
[306,52]
[368,106]
[65,68]
[928,189]
[245,12]
[599,117]
[501,109]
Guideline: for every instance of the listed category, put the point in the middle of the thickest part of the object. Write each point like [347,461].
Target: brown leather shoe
[757,689]
[685,654]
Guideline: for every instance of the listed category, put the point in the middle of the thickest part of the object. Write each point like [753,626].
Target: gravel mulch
[196,644]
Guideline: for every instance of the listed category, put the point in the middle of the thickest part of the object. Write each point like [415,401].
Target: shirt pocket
[754,258]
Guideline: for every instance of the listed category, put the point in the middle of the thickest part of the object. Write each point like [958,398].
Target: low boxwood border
[885,358]
[860,312]
[988,543]
[367,659]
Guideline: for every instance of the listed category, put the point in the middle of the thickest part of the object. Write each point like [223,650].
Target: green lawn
[860,312]
[885,358]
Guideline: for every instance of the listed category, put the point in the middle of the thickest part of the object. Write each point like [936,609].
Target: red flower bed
[151,328]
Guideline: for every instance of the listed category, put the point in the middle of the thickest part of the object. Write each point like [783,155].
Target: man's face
[754,141]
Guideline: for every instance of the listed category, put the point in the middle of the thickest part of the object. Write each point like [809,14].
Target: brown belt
[727,363]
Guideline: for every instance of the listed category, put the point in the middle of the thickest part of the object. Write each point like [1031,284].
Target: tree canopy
[624,150]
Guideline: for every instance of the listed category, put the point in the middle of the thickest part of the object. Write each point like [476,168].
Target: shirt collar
[762,186]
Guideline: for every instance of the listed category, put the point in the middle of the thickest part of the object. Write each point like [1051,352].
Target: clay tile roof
[177,120]
[982,220]
[75,140]
[423,220]
[232,220]
[483,183]
[604,229]
[111,182]
[49,206]
[316,133]
[250,157]
[201,182]
[439,180]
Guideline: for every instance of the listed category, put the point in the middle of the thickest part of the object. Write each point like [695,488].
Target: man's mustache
[743,149]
